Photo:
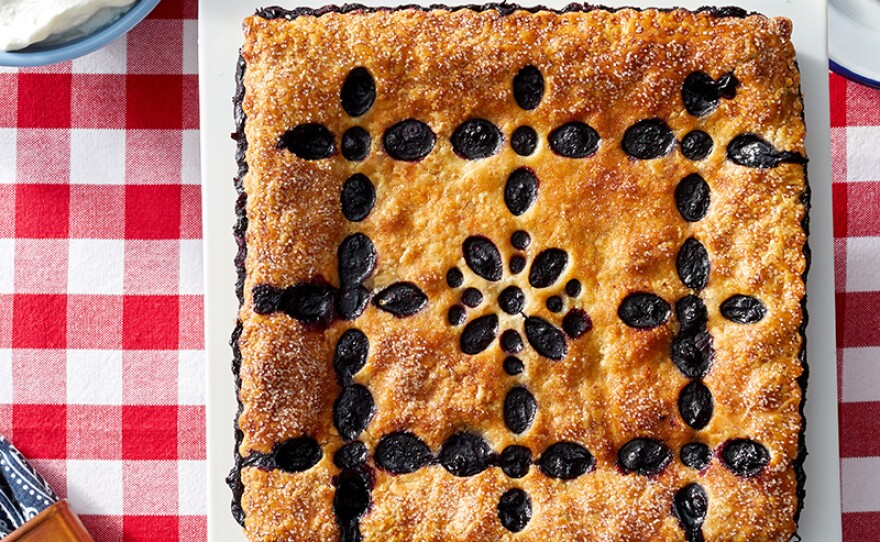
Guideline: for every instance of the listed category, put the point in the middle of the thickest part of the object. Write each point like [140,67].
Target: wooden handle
[57,523]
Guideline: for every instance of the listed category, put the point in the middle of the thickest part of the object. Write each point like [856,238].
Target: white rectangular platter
[220,37]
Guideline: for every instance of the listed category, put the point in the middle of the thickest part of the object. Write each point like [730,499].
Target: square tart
[519,274]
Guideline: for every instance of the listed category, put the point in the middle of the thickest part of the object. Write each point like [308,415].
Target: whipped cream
[25,22]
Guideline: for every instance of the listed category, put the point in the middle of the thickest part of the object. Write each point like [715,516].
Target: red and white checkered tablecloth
[101,311]
[101,324]
[855,158]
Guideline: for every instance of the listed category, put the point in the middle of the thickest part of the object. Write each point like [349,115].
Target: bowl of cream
[41,32]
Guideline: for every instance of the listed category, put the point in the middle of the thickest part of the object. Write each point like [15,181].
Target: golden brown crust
[614,216]
[290,507]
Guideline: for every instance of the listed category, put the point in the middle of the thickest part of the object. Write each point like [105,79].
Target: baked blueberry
[515,461]
[513,365]
[356,144]
[409,140]
[465,454]
[696,455]
[520,408]
[745,457]
[351,353]
[566,460]
[512,300]
[521,191]
[696,405]
[352,301]
[515,510]
[482,257]
[524,140]
[644,456]
[358,92]
[517,264]
[309,303]
[351,455]
[743,309]
[547,267]
[297,454]
[528,87]
[576,322]
[692,264]
[574,140]
[352,497]
[476,138]
[454,277]
[266,298]
[647,139]
[401,299]
[700,93]
[402,453]
[310,141]
[693,353]
[691,313]
[353,411]
[692,198]
[356,258]
[696,145]
[358,197]
[456,315]
[545,338]
[471,297]
[511,342]
[479,334]
[690,506]
[520,240]
[643,311]
[754,151]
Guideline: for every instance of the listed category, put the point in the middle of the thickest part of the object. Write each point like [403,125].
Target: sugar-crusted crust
[616,383]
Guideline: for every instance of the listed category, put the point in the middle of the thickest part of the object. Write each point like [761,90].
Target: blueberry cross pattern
[466,453]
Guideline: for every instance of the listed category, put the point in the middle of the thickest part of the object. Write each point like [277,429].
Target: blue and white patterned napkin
[23,492]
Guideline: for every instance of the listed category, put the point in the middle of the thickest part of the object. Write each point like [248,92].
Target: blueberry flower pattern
[547,339]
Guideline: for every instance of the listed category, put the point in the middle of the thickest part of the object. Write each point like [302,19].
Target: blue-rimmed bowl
[41,55]
[854,40]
